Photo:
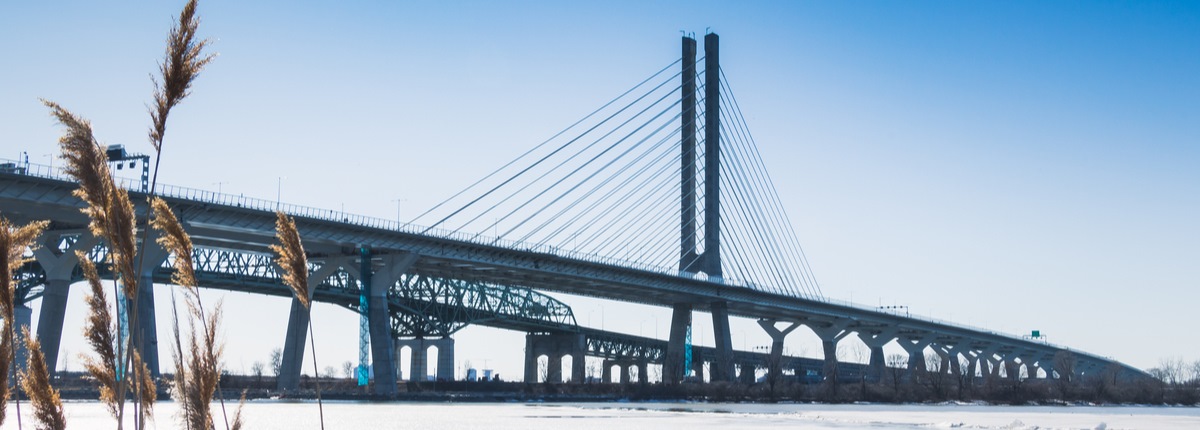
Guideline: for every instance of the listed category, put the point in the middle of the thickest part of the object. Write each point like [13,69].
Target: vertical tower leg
[830,336]
[722,369]
[297,329]
[531,360]
[50,322]
[378,318]
[22,316]
[293,347]
[145,336]
[681,320]
[578,358]
[445,364]
[555,367]
[418,363]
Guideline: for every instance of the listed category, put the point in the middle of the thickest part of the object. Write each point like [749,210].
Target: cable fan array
[609,185]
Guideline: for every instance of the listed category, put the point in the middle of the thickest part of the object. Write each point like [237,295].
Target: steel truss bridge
[587,223]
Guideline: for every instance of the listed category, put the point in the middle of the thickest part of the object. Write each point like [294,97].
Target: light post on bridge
[279,191]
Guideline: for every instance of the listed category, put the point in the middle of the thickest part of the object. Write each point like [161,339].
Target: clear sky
[1012,165]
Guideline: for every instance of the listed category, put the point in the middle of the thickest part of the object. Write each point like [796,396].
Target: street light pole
[278,192]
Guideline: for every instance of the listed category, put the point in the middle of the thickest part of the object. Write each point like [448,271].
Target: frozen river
[660,416]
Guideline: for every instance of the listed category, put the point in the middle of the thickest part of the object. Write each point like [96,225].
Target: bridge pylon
[707,261]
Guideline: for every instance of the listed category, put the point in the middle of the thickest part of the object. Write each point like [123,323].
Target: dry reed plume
[101,336]
[291,258]
[289,254]
[108,206]
[183,63]
[47,407]
[13,242]
[197,373]
[177,241]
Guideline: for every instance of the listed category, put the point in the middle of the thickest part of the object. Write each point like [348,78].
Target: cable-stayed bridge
[657,197]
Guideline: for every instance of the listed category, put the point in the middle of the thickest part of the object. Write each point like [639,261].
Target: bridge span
[232,234]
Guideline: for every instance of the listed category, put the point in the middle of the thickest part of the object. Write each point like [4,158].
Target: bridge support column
[554,368]
[675,368]
[830,335]
[298,319]
[875,342]
[950,352]
[145,335]
[626,373]
[383,348]
[775,362]
[531,360]
[418,361]
[554,347]
[606,372]
[643,372]
[1031,370]
[445,362]
[722,369]
[1012,368]
[50,322]
[578,366]
[915,347]
[22,316]
[58,267]
[746,373]
[293,347]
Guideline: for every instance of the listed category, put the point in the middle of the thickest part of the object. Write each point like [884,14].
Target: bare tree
[257,369]
[1064,368]
[276,361]
[965,377]
[897,366]
[348,369]
[935,376]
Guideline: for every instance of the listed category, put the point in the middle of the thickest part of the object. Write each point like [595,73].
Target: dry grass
[291,258]
[101,336]
[197,379]
[183,63]
[47,407]
[289,255]
[13,242]
[177,241]
[146,391]
[108,206]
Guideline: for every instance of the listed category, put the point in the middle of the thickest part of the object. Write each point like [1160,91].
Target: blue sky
[1013,165]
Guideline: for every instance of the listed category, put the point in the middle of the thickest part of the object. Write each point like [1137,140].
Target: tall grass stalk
[291,258]
[14,240]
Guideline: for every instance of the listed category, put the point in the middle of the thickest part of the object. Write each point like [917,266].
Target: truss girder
[419,305]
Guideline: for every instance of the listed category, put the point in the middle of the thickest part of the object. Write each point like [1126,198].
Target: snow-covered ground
[658,416]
